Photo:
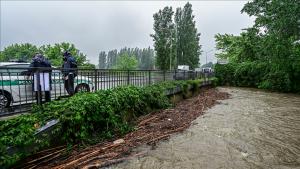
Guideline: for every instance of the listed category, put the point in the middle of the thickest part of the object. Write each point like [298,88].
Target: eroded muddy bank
[252,129]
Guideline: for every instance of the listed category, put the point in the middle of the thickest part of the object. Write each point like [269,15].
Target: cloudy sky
[95,26]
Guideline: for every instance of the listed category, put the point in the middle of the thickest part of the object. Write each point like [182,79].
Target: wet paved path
[252,129]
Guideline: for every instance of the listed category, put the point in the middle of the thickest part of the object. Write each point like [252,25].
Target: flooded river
[252,129]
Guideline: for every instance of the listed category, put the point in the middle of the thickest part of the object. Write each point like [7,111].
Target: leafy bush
[249,74]
[225,74]
[259,74]
[277,80]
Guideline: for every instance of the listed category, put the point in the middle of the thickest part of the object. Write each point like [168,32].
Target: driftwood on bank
[151,128]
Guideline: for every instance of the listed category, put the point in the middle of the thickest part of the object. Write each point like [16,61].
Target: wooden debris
[151,128]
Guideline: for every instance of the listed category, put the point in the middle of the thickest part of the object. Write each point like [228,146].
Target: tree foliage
[188,48]
[144,57]
[163,28]
[273,42]
[18,52]
[126,62]
[54,53]
[176,42]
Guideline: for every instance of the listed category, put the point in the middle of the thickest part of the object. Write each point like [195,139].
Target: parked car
[183,72]
[207,70]
[17,87]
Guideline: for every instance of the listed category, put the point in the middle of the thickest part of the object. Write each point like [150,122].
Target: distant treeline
[144,57]
[54,53]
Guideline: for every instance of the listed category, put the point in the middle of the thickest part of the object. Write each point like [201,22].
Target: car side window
[4,72]
[17,71]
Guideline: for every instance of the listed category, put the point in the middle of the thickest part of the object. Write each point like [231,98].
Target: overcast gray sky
[95,26]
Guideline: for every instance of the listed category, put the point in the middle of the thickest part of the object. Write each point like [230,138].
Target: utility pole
[206,55]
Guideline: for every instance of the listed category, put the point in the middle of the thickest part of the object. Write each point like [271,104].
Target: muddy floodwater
[251,129]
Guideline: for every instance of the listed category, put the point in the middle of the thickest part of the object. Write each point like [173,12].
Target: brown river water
[251,129]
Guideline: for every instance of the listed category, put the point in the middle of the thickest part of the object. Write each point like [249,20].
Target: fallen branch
[98,157]
[114,161]
[158,138]
[146,120]
[68,165]
[43,157]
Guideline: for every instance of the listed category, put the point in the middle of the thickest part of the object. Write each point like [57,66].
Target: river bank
[252,129]
[149,130]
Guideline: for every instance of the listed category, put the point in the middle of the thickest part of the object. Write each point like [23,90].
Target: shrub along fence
[262,75]
[18,90]
[85,117]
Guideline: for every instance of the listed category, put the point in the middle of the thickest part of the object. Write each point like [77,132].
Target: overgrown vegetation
[266,55]
[84,118]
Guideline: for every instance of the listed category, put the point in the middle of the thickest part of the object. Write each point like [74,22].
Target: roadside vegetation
[266,55]
[85,118]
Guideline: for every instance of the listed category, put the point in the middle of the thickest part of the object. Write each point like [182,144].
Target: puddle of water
[252,129]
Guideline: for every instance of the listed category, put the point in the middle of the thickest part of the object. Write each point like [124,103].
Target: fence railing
[20,87]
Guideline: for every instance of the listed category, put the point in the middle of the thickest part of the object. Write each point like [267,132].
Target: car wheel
[5,100]
[82,88]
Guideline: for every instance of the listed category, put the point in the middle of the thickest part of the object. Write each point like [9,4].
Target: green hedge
[85,117]
[261,75]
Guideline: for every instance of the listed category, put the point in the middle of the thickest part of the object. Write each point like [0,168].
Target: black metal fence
[20,86]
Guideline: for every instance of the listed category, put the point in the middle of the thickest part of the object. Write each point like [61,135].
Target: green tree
[269,50]
[163,28]
[187,37]
[147,59]
[126,62]
[102,60]
[23,52]
[144,57]
[55,53]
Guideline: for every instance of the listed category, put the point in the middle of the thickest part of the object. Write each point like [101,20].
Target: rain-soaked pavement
[252,129]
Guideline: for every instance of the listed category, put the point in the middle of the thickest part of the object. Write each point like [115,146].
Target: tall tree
[187,37]
[163,28]
[102,60]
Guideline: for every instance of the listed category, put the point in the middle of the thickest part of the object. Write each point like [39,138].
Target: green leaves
[126,62]
[265,55]
[85,117]
[54,53]
[176,43]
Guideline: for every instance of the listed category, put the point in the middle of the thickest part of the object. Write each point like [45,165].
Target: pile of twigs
[151,128]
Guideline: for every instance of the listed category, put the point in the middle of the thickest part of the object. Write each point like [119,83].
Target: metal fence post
[149,77]
[164,75]
[96,80]
[175,75]
[38,83]
[128,77]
